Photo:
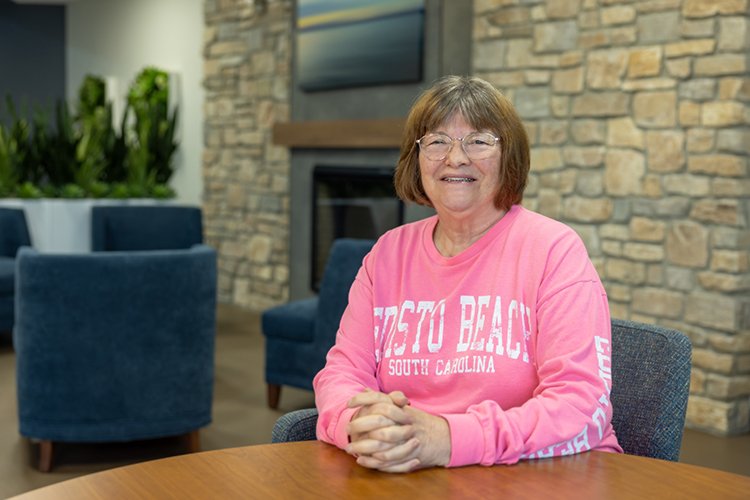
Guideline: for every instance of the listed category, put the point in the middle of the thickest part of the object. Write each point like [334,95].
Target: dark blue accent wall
[32,56]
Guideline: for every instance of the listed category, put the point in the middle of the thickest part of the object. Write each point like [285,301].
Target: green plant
[13,151]
[84,154]
[53,149]
[162,192]
[29,190]
[8,162]
[91,151]
[117,152]
[91,96]
[154,126]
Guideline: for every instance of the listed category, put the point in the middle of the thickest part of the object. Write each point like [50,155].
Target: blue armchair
[14,234]
[145,227]
[300,333]
[114,346]
[650,379]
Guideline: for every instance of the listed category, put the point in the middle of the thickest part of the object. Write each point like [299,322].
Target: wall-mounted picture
[345,43]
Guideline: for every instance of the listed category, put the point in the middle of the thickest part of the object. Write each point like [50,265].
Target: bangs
[478,111]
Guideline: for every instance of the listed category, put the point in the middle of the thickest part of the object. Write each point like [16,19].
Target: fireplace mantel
[381,133]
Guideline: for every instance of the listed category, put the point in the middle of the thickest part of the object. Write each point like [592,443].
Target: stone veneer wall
[638,115]
[246,198]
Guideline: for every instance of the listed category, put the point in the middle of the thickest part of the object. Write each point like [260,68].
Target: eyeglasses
[477,145]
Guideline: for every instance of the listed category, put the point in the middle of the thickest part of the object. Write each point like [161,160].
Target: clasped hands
[389,435]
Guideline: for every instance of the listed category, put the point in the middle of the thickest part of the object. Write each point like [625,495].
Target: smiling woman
[339,45]
[473,336]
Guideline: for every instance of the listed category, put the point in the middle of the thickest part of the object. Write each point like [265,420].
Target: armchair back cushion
[14,232]
[341,268]
[145,227]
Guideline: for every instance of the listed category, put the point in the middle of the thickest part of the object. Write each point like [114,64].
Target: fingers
[402,468]
[399,458]
[398,398]
[367,423]
[399,453]
[380,439]
[377,447]
[370,397]
[381,433]
[367,447]
[377,403]
[407,466]
[389,435]
[393,433]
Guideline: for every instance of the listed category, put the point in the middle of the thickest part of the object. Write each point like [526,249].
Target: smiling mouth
[458,179]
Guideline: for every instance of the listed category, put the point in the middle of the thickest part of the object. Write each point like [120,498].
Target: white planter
[64,226]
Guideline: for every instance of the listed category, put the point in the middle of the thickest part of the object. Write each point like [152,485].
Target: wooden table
[312,469]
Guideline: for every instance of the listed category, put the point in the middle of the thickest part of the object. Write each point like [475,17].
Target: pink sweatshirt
[509,341]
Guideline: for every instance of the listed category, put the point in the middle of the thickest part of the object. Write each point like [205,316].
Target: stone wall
[638,115]
[247,55]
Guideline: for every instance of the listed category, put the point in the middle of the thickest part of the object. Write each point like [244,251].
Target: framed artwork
[350,43]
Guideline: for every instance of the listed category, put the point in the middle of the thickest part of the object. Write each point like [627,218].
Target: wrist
[444,449]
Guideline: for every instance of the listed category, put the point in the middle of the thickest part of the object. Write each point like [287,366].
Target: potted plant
[60,166]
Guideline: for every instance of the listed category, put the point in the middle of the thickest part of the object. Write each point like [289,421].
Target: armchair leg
[46,454]
[193,441]
[274,393]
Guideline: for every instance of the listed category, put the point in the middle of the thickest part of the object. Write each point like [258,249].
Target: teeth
[458,179]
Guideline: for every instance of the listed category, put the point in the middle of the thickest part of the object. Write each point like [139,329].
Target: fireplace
[335,192]
[350,203]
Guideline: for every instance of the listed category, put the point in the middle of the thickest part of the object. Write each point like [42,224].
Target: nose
[456,154]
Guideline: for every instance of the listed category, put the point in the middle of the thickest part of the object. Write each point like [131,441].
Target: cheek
[492,170]
[425,169]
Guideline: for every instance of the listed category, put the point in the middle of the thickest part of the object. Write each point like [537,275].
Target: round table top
[311,469]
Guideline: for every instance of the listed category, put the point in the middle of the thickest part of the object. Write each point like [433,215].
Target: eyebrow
[474,131]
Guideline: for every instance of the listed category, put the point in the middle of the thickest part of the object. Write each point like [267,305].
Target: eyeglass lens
[477,146]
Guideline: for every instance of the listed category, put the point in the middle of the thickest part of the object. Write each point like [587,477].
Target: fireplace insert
[350,202]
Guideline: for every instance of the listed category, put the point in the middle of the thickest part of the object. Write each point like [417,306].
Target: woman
[480,335]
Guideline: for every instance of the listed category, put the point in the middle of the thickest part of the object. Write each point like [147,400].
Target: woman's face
[458,186]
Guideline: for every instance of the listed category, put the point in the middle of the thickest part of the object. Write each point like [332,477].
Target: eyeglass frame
[452,141]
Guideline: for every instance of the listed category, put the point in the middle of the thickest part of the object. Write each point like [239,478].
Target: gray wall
[32,56]
[445,21]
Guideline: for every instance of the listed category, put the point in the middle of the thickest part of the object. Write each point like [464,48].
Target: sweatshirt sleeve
[350,364]
[569,411]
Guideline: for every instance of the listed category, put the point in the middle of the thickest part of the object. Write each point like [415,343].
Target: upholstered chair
[14,234]
[299,334]
[145,227]
[650,386]
[650,379]
[114,346]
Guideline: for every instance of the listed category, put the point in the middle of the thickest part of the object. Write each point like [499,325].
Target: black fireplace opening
[350,202]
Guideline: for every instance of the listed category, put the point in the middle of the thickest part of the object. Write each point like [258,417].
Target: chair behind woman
[651,383]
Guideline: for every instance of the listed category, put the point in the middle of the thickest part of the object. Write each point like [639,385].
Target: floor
[240,417]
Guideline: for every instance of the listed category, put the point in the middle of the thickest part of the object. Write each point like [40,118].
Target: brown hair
[484,108]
